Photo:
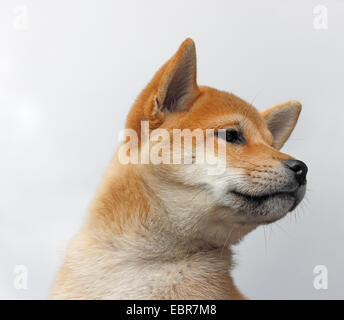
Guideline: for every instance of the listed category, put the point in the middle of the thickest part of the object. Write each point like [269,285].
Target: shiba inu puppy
[164,231]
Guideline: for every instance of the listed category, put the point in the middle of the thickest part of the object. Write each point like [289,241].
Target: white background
[69,72]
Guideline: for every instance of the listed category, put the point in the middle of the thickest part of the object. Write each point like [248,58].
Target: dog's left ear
[178,86]
[281,120]
[172,89]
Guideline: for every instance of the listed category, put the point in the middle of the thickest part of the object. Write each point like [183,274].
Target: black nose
[299,168]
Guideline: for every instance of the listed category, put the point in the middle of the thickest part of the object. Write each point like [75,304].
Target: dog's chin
[265,208]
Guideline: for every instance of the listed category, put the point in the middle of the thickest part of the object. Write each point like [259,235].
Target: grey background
[68,80]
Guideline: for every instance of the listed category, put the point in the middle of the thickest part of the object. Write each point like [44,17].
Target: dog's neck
[135,220]
[136,205]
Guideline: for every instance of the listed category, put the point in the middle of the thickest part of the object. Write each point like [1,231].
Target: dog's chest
[190,278]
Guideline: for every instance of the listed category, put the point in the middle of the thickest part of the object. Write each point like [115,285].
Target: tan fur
[153,231]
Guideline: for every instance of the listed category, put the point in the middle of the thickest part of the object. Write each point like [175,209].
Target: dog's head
[258,185]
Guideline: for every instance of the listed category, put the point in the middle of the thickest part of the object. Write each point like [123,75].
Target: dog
[165,230]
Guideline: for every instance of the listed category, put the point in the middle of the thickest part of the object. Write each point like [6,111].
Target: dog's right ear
[172,89]
[281,120]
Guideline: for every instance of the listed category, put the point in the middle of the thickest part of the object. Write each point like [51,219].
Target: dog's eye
[232,136]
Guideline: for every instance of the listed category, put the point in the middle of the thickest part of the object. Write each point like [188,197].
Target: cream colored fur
[165,231]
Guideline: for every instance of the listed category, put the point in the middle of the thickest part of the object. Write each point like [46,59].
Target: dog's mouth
[261,198]
[266,203]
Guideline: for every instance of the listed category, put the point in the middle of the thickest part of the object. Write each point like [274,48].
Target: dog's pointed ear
[281,120]
[178,86]
[173,88]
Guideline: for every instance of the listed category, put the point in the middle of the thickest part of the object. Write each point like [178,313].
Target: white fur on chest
[105,274]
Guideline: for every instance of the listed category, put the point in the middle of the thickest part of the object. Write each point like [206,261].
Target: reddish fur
[124,200]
